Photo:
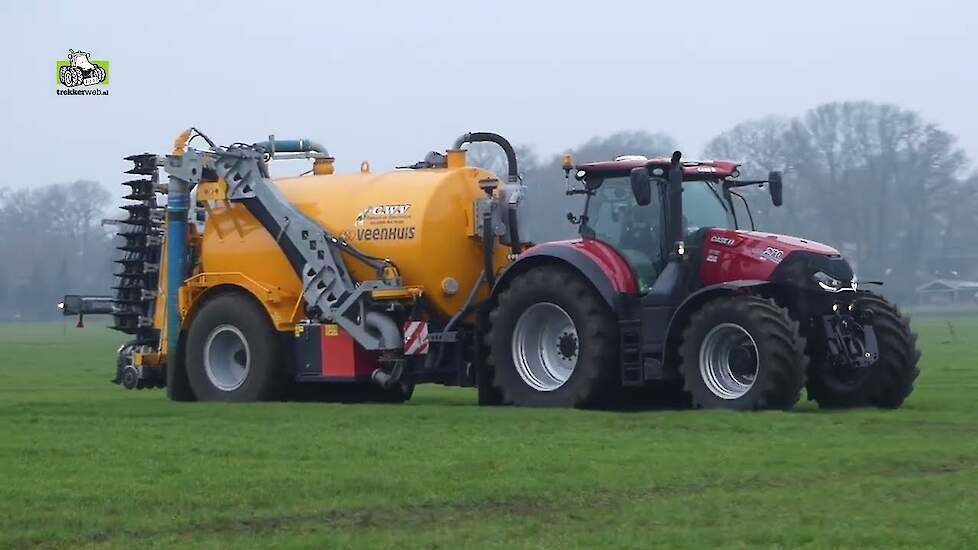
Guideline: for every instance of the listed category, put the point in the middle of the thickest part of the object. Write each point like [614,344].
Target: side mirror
[641,185]
[776,188]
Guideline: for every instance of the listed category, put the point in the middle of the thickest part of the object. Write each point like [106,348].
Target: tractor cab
[627,206]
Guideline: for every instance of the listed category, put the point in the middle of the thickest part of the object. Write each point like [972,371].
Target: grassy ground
[85,463]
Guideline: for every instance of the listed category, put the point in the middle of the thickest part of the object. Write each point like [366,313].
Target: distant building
[948,292]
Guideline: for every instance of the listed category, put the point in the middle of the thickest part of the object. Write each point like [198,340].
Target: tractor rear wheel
[743,353]
[553,342]
[887,382]
[233,352]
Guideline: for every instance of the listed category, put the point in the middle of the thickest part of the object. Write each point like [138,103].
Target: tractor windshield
[704,207]
[636,231]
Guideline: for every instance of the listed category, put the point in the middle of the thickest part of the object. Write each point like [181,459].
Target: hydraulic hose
[514,233]
[468,302]
[513,174]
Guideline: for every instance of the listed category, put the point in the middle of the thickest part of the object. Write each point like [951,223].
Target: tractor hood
[733,255]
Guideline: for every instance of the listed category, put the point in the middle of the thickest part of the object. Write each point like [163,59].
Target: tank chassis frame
[329,293]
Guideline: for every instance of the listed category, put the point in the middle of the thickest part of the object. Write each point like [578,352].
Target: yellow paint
[323,167]
[405,293]
[331,330]
[456,158]
[212,190]
[146,359]
[180,143]
[278,304]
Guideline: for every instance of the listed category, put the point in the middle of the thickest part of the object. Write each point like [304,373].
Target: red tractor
[664,288]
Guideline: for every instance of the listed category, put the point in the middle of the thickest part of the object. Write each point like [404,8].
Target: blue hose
[178,202]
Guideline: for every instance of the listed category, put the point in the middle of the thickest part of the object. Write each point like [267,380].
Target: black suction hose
[488,137]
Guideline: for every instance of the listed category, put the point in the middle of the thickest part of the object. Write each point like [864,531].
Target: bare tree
[873,179]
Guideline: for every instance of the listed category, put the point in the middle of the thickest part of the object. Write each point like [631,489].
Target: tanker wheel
[233,353]
[553,342]
[743,353]
[885,383]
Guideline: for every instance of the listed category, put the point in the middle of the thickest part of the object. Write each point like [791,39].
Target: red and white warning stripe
[415,337]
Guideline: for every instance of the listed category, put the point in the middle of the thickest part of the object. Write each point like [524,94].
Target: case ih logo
[79,71]
[725,241]
[381,211]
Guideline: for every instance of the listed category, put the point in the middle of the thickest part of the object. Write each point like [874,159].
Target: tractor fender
[694,301]
[598,263]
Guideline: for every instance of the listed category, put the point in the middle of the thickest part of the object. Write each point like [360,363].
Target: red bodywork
[728,255]
[342,357]
[609,260]
[738,255]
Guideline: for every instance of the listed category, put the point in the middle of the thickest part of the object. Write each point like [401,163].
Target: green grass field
[85,463]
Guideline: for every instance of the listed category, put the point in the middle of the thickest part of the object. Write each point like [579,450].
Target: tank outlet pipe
[390,334]
[513,172]
[292,146]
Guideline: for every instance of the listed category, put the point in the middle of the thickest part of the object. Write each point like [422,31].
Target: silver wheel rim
[728,361]
[227,358]
[545,346]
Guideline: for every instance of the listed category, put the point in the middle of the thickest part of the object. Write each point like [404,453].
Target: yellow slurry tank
[422,220]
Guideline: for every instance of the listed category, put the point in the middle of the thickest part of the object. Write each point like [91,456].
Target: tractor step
[630,352]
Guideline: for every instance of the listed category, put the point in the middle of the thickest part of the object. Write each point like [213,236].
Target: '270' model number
[773,254]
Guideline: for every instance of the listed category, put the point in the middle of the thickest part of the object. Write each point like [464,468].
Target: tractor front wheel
[743,353]
[886,382]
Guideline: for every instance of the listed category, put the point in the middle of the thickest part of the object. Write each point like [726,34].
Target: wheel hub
[227,358]
[545,346]
[728,361]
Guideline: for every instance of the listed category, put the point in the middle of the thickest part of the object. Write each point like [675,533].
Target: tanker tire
[595,379]
[891,378]
[779,349]
[266,375]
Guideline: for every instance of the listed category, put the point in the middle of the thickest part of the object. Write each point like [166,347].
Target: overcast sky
[388,81]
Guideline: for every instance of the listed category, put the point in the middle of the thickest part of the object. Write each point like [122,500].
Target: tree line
[878,182]
[52,242]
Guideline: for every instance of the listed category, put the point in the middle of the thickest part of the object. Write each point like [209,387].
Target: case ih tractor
[359,286]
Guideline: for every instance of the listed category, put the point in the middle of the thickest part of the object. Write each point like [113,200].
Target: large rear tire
[233,352]
[888,381]
[553,342]
[743,353]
